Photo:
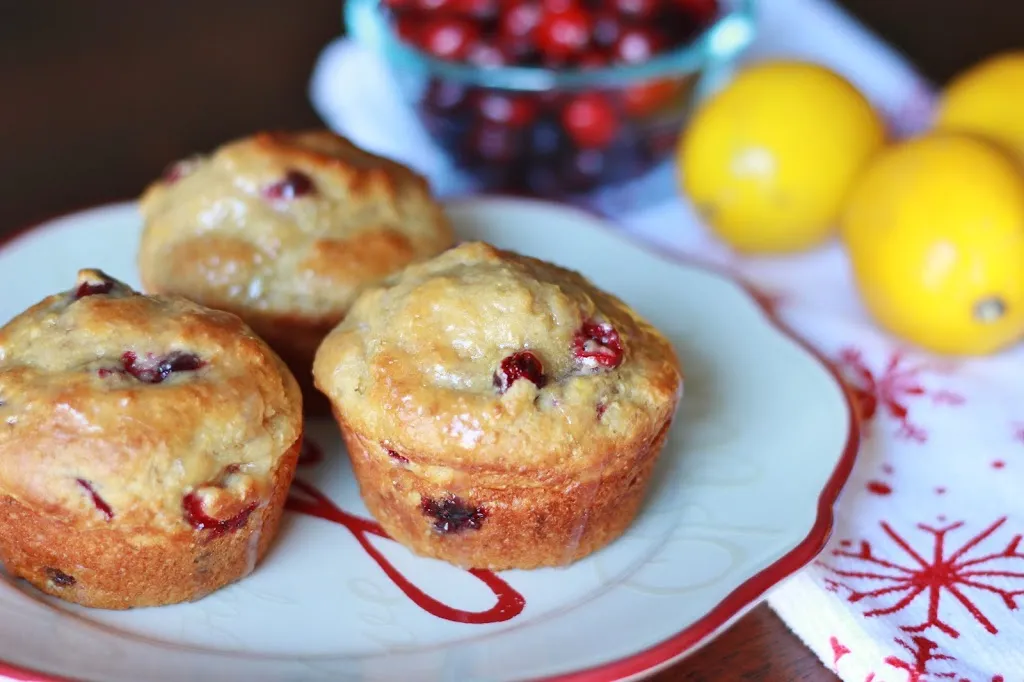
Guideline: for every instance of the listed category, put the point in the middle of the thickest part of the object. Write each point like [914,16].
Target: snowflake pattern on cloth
[924,575]
[923,578]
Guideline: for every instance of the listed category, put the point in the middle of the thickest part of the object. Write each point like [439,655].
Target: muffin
[284,230]
[499,411]
[147,449]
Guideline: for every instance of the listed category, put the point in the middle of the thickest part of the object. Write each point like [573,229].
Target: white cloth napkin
[925,571]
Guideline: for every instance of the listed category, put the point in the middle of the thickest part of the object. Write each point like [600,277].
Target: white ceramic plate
[742,498]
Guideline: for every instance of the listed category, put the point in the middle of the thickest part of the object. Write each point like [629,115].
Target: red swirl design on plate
[509,602]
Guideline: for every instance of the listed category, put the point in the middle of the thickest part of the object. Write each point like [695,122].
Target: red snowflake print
[889,391]
[838,650]
[1018,432]
[880,488]
[922,651]
[928,577]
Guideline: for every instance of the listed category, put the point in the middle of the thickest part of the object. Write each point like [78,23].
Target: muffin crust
[285,229]
[504,392]
[141,437]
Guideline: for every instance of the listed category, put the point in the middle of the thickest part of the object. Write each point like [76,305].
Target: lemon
[935,235]
[769,159]
[987,99]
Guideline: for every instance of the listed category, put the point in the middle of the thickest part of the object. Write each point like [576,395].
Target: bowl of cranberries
[554,98]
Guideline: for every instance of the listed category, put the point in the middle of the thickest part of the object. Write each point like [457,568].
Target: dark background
[97,97]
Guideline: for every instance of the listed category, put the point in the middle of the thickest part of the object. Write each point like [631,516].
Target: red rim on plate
[744,597]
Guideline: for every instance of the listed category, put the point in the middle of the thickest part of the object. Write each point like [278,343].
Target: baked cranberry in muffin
[284,230]
[147,447]
[500,411]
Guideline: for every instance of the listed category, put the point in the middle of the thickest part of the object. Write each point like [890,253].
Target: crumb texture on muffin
[491,360]
[499,411]
[285,224]
[119,410]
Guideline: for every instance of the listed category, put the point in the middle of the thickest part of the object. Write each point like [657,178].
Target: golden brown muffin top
[286,224]
[121,408]
[483,358]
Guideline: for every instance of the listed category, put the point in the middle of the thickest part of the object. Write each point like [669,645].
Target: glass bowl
[553,133]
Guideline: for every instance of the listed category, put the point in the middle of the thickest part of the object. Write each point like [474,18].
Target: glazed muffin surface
[473,382]
[143,427]
[285,229]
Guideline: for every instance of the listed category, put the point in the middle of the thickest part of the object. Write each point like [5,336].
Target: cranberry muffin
[284,230]
[147,448]
[499,411]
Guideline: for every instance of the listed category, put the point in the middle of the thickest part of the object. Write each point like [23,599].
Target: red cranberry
[516,29]
[519,19]
[491,142]
[400,459]
[590,120]
[598,345]
[520,52]
[408,29]
[593,59]
[521,365]
[93,289]
[486,54]
[602,407]
[563,34]
[451,514]
[700,10]
[435,5]
[607,28]
[155,370]
[294,185]
[560,5]
[644,99]
[444,96]
[196,516]
[477,9]
[59,577]
[638,44]
[97,501]
[507,110]
[682,24]
[449,38]
[585,168]
[543,181]
[663,142]
[637,9]
[547,139]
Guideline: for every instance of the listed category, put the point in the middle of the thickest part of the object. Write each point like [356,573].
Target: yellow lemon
[769,159]
[935,234]
[988,99]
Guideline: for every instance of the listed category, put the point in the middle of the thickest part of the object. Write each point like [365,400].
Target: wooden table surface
[96,98]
